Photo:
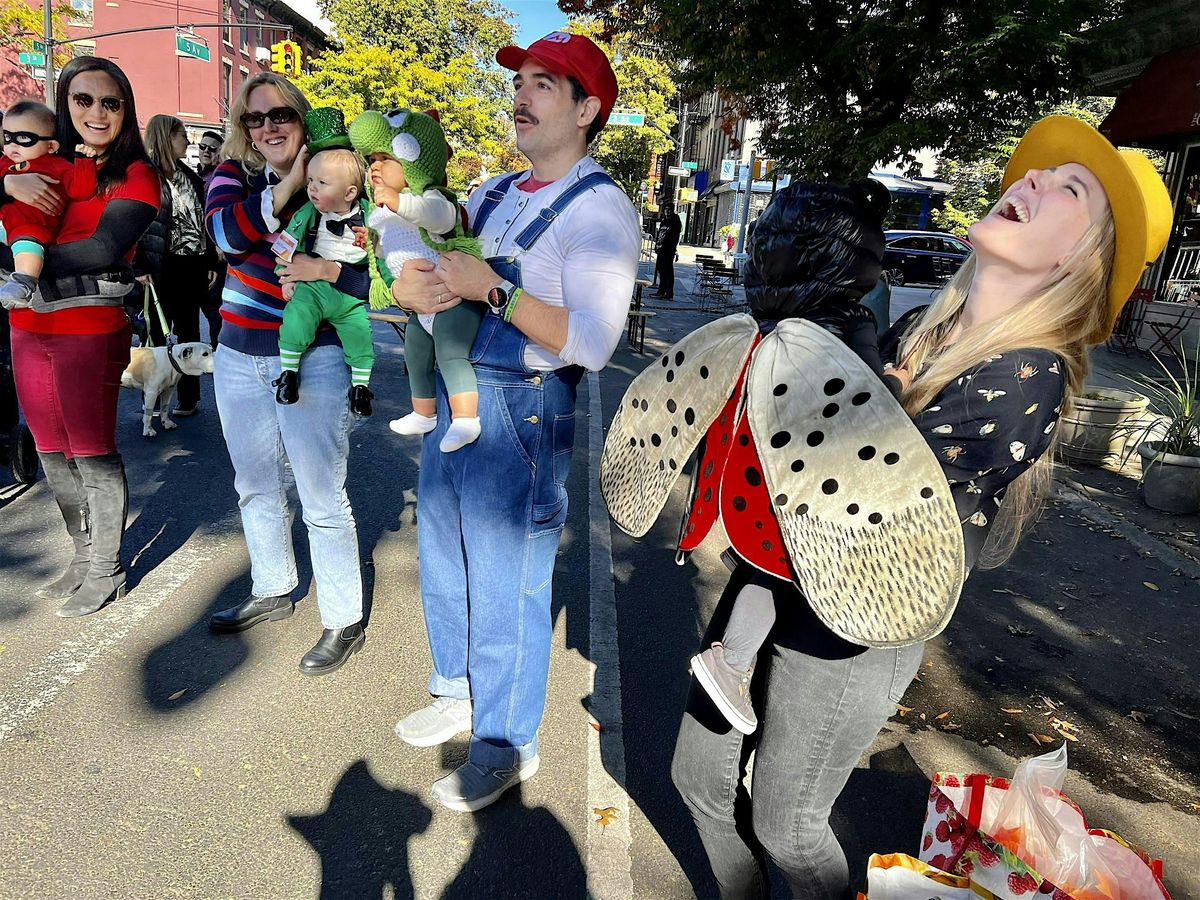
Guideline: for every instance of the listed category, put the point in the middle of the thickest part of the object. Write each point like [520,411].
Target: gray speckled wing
[861,500]
[664,414]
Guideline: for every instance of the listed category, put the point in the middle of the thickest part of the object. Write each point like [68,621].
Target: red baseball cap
[570,54]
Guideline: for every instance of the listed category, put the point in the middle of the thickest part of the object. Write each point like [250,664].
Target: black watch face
[498,297]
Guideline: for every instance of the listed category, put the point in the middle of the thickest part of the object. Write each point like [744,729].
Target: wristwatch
[499,296]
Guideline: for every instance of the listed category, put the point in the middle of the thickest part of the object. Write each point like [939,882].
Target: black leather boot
[64,479]
[335,646]
[250,613]
[287,387]
[360,400]
[108,504]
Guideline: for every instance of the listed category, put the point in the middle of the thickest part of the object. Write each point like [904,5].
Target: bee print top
[988,426]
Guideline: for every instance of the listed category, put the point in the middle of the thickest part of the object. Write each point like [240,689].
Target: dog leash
[152,295]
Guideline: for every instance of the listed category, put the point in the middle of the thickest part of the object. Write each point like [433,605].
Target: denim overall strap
[537,228]
[491,199]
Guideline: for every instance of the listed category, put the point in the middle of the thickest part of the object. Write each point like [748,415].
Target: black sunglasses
[109,104]
[210,148]
[280,115]
[24,138]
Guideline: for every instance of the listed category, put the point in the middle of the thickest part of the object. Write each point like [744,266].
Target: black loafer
[250,613]
[360,400]
[287,388]
[335,646]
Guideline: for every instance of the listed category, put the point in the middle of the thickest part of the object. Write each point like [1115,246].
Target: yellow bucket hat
[1141,207]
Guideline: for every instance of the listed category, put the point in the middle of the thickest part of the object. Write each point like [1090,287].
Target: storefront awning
[1161,105]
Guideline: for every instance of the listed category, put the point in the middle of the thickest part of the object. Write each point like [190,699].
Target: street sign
[687,195]
[634,117]
[191,45]
[39,47]
[728,169]
[690,165]
[680,171]
[32,59]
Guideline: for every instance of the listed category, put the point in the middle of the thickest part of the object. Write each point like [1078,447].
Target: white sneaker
[413,423]
[460,433]
[471,786]
[436,723]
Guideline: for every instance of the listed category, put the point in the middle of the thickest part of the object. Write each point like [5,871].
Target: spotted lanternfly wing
[664,414]
[864,508]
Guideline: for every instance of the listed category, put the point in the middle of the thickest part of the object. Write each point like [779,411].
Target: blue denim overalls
[490,517]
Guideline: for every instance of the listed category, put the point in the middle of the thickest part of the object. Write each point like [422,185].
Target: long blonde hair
[1058,318]
[238,144]
[158,143]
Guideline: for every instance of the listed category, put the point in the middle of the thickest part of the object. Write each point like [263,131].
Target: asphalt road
[141,756]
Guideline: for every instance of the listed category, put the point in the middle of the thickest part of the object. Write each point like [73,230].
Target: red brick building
[197,92]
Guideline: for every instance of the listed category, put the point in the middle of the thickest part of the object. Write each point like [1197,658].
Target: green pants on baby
[315,302]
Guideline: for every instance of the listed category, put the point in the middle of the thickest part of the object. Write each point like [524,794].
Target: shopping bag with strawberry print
[897,876]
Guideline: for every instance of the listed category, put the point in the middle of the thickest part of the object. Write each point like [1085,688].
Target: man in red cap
[561,243]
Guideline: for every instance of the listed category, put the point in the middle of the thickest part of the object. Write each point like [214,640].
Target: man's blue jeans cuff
[484,754]
[455,688]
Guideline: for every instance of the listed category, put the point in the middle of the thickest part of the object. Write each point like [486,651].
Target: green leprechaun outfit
[329,236]
[417,142]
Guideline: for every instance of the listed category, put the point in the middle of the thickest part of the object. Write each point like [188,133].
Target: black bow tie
[272,178]
[338,226]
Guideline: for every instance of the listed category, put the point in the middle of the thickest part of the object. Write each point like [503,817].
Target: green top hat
[326,130]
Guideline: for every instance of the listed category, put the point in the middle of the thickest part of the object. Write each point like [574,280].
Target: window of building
[258,36]
[244,30]
[226,84]
[227,33]
[83,48]
[81,13]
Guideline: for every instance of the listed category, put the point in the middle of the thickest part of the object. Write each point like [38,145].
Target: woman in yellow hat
[986,371]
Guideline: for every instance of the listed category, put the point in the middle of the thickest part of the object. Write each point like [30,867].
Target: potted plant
[1098,425]
[1171,461]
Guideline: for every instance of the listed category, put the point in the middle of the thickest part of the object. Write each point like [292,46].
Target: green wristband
[512,305]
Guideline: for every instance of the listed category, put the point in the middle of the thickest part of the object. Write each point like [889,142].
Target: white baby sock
[413,423]
[460,433]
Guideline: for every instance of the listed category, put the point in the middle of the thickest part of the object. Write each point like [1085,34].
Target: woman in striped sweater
[251,197]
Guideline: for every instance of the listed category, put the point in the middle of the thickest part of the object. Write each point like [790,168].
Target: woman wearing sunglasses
[70,348]
[251,197]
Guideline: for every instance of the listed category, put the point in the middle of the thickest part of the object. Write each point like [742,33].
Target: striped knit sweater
[252,301]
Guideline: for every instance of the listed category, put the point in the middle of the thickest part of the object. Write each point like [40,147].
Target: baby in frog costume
[416,217]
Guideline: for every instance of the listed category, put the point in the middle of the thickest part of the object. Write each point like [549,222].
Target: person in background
[175,253]
[210,155]
[210,158]
[668,243]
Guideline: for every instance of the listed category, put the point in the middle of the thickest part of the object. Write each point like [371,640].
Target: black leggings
[182,288]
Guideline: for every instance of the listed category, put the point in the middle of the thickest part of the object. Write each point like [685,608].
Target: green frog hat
[415,139]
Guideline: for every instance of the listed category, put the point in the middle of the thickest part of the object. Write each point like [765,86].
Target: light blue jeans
[312,435]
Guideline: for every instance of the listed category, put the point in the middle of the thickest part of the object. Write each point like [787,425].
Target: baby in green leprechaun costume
[332,226]
[416,217]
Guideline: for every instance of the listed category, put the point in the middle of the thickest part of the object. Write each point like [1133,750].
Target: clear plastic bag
[1037,823]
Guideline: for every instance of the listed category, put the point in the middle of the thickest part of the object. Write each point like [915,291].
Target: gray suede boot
[108,504]
[67,484]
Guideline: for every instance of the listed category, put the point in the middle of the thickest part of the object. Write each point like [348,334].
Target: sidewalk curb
[1067,490]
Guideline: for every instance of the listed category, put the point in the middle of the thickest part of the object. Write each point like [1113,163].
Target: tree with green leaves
[22,24]
[405,53]
[841,85]
[974,178]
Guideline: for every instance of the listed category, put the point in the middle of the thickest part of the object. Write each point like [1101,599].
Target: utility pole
[48,38]
[745,216]
[683,122]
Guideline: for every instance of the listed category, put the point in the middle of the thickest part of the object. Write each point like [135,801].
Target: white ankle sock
[413,423]
[460,433]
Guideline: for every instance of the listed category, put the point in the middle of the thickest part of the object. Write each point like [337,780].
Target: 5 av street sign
[191,45]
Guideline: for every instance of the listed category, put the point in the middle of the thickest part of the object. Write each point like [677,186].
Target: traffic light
[763,168]
[285,58]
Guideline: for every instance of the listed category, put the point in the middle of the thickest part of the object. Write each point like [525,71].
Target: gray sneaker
[728,688]
[436,723]
[16,295]
[471,786]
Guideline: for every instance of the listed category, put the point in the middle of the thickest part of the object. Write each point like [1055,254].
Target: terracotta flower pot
[1097,426]
[1170,482]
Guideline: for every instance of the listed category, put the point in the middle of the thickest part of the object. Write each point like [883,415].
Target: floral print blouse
[988,426]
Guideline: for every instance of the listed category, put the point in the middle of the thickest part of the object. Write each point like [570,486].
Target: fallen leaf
[606,816]
[175,696]
[597,726]
[1040,739]
[1151,585]
[950,726]
[1050,703]
[1015,712]
[903,710]
[1033,737]
[1019,631]
[1008,591]
[999,659]
[1137,715]
[196,770]
[942,716]
[1066,734]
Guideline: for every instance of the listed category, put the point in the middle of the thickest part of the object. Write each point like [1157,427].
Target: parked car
[922,257]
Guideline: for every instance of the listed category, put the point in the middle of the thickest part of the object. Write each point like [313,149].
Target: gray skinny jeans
[820,703]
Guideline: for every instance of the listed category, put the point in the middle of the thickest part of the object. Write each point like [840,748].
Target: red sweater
[79,222]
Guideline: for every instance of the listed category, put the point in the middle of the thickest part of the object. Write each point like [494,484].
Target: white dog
[156,372]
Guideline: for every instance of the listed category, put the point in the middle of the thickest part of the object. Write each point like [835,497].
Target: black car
[922,257]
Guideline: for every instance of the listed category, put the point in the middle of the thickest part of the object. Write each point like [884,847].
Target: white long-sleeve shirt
[586,261]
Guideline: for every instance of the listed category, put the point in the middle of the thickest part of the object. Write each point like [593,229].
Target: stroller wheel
[22,455]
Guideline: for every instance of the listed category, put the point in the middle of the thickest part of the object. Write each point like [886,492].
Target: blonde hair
[238,145]
[158,143]
[1059,318]
[346,162]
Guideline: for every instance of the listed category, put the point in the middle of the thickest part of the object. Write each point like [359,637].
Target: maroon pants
[67,385]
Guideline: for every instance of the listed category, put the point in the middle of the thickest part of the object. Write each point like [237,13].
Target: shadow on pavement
[362,837]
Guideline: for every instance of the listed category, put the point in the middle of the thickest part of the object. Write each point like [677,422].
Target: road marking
[608,857]
[100,633]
